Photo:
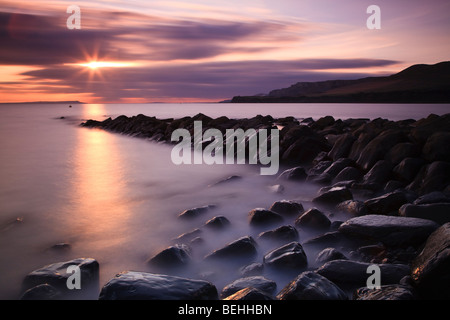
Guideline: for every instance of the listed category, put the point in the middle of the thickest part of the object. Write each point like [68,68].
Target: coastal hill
[418,83]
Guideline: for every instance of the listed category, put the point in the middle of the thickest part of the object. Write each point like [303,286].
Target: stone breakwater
[389,179]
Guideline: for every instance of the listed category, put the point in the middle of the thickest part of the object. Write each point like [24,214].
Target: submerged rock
[130,285]
[313,218]
[333,195]
[329,254]
[437,212]
[386,203]
[195,212]
[42,292]
[295,174]
[171,257]
[283,233]
[311,286]
[286,207]
[249,294]
[263,217]
[242,248]
[386,292]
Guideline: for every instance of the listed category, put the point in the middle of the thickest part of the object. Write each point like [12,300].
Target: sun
[104,64]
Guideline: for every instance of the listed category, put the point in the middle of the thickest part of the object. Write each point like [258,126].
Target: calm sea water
[116,198]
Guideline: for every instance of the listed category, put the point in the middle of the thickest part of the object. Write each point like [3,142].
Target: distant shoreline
[41,102]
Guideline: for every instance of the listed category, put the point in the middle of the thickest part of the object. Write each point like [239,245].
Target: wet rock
[386,204]
[319,168]
[342,146]
[433,177]
[434,149]
[393,185]
[253,269]
[401,151]
[219,222]
[195,212]
[248,294]
[302,145]
[295,174]
[290,256]
[348,174]
[187,236]
[437,212]
[243,248]
[311,286]
[325,240]
[62,246]
[354,273]
[333,196]
[424,128]
[313,218]
[227,180]
[171,257]
[258,282]
[432,197]
[377,148]
[287,207]
[276,188]
[429,270]
[387,292]
[407,169]
[378,175]
[391,231]
[42,292]
[280,234]
[263,217]
[130,285]
[57,274]
[353,207]
[337,166]
[329,254]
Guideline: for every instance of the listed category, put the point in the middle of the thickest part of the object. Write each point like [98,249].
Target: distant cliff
[416,84]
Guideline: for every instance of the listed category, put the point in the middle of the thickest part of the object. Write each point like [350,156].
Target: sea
[117,198]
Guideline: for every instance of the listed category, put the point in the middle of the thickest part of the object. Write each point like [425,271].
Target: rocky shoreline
[400,168]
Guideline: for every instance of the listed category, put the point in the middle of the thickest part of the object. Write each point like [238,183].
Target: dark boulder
[342,146]
[132,285]
[386,204]
[42,292]
[329,254]
[433,177]
[407,169]
[355,274]
[333,196]
[432,197]
[349,173]
[353,207]
[314,219]
[311,286]
[217,223]
[401,151]
[295,174]
[437,212]
[263,217]
[243,248]
[287,257]
[195,212]
[249,294]
[386,292]
[258,282]
[172,257]
[286,207]
[429,270]
[280,234]
[437,147]
[390,230]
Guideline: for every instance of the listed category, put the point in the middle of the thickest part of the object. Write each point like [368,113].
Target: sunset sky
[207,50]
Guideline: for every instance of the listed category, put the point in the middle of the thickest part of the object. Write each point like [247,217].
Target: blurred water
[116,198]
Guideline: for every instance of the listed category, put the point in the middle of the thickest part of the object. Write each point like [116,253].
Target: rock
[258,282]
[437,212]
[263,217]
[57,274]
[377,148]
[347,174]
[187,236]
[62,246]
[337,166]
[195,212]
[276,188]
[432,197]
[426,127]
[434,177]
[436,147]
[323,122]
[290,256]
[387,292]
[243,248]
[407,169]
[42,292]
[429,270]
[319,168]
[401,151]
[219,222]
[286,207]
[302,145]
[354,273]
[171,257]
[333,195]
[295,174]
[226,180]
[328,239]
[311,286]
[329,254]
[342,146]
[378,175]
[391,231]
[130,285]
[353,207]
[280,234]
[386,204]
[313,218]
[393,185]
[253,269]
[248,294]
